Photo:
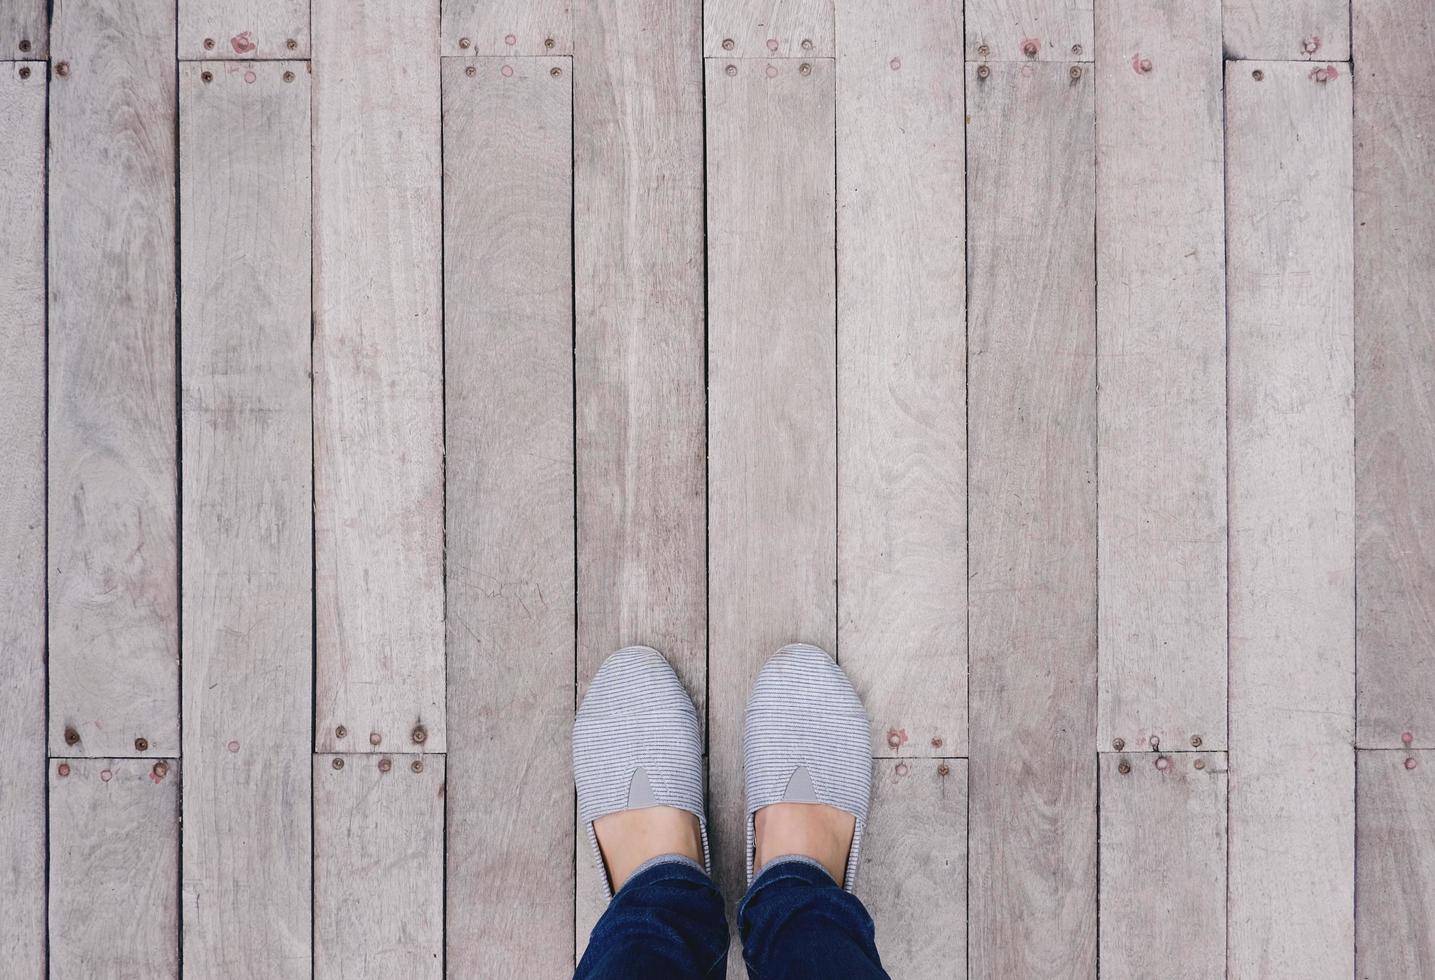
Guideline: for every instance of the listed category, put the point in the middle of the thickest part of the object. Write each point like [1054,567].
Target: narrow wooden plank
[1292,823]
[1163,866]
[769,28]
[772,352]
[901,373]
[22,519]
[114,868]
[378,866]
[1395,883]
[1296,30]
[913,877]
[24,29]
[1032,500]
[246,533]
[1160,272]
[223,29]
[378,376]
[510,27]
[1026,30]
[1395,372]
[508,193]
[113,576]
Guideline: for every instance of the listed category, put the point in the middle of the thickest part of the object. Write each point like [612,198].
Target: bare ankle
[813,830]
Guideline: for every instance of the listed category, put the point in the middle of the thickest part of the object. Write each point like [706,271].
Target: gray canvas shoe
[636,744]
[806,740]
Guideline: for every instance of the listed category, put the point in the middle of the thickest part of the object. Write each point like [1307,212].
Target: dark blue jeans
[667,922]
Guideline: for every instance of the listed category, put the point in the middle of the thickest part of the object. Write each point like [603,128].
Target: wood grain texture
[24,29]
[1296,30]
[508,193]
[114,869]
[1160,272]
[772,350]
[243,29]
[1163,866]
[769,28]
[22,518]
[113,577]
[1032,500]
[509,27]
[247,508]
[1292,668]
[1025,30]
[1395,878]
[1395,372]
[913,877]
[378,375]
[378,867]
[901,371]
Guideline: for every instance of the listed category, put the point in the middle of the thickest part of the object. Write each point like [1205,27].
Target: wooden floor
[372,368]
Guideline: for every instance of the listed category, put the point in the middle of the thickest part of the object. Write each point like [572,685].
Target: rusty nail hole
[420,734]
[731,69]
[62,68]
[417,765]
[804,69]
[1163,763]
[206,77]
[209,44]
[1075,72]
[337,763]
[1411,763]
[24,44]
[464,42]
[902,769]
[24,71]
[288,76]
[549,43]
[1123,767]
[71,736]
[291,44]
[141,744]
[1030,47]
[160,770]
[728,44]
[470,71]
[375,738]
[1195,741]
[64,769]
[1118,744]
[983,72]
[1076,49]
[944,770]
[936,741]
[983,50]
[1199,763]
[555,72]
[1258,74]
[385,765]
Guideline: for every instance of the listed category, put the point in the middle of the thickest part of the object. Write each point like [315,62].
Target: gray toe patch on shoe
[799,788]
[640,791]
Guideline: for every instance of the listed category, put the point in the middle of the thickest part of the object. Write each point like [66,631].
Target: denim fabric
[668,922]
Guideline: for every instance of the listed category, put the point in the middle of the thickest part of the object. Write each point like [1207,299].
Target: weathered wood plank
[222,29]
[22,518]
[901,372]
[114,610]
[1395,372]
[1024,30]
[1395,878]
[913,877]
[511,27]
[114,868]
[769,29]
[1292,823]
[378,376]
[1163,866]
[24,29]
[1292,30]
[1032,519]
[1160,272]
[246,505]
[508,192]
[378,866]
[772,470]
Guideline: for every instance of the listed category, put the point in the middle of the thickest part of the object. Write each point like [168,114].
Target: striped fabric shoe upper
[636,743]
[806,740]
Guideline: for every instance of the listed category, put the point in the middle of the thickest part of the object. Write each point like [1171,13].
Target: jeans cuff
[794,859]
[668,863]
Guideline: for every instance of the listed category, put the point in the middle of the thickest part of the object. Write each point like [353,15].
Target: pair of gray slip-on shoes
[637,743]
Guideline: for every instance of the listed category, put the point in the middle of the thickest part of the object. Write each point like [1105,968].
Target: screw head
[62,68]
[731,70]
[160,770]
[549,43]
[728,44]
[902,769]
[417,765]
[1076,49]
[24,44]
[420,734]
[804,69]
[1123,767]
[807,44]
[510,39]
[1118,744]
[1030,47]
[1075,72]
[1258,74]
[555,72]
[1407,737]
[1163,763]
[1155,741]
[465,43]
[206,77]
[141,744]
[337,763]
[375,738]
[209,44]
[71,736]
[936,741]
[341,732]
[470,71]
[983,72]
[1411,762]
[288,76]
[24,71]
[292,44]
[944,770]
[64,769]
[1195,741]
[1199,763]
[983,50]
[385,765]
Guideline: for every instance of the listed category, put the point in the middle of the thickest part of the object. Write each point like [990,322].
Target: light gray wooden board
[378,867]
[511,27]
[1032,500]
[901,372]
[1160,274]
[772,469]
[913,877]
[114,609]
[24,29]
[641,413]
[246,534]
[378,375]
[1061,30]
[223,29]
[508,192]
[1395,878]
[1292,822]
[1292,30]
[114,869]
[1395,371]
[769,28]
[22,519]
[1163,866]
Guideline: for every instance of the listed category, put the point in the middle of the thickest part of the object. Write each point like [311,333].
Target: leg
[796,924]
[665,922]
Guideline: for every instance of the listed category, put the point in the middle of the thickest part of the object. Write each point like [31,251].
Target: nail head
[71,736]
[141,744]
[1411,763]
[902,769]
[232,746]
[1199,763]
[983,72]
[288,76]
[1258,74]
[944,769]
[555,72]
[1075,72]
[160,770]
[983,50]
[731,69]
[341,732]
[506,71]
[465,42]
[470,71]
[804,69]
[209,44]
[807,44]
[24,71]
[291,44]
[206,77]
[1031,47]
[385,765]
[62,68]
[510,39]
[727,44]
[936,741]
[1076,49]
[375,738]
[420,734]
[64,769]
[337,763]
[1163,763]
[417,765]
[1118,744]
[549,43]
[1195,741]
[1123,767]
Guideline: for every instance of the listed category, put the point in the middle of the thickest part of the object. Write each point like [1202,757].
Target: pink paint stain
[106,775]
[1140,65]
[771,71]
[902,769]
[243,43]
[895,64]
[1311,44]
[250,77]
[1325,74]
[896,737]
[507,72]
[772,44]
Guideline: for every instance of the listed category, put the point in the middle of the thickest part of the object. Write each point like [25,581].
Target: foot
[814,830]
[630,837]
